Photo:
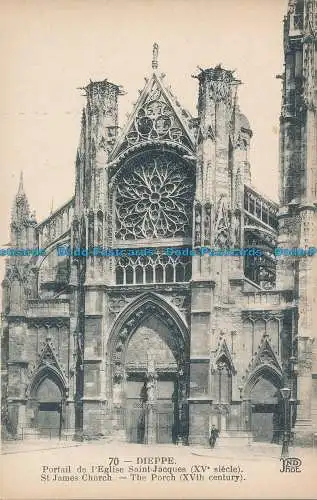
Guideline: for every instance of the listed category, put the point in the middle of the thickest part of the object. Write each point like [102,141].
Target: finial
[21,190]
[155,56]
[291,6]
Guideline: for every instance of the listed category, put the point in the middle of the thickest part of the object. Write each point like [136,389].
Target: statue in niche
[236,229]
[99,231]
[207,224]
[75,234]
[124,334]
[222,239]
[197,226]
[141,421]
[15,295]
[116,395]
[100,266]
[144,394]
[151,390]
[119,346]
[90,233]
[30,284]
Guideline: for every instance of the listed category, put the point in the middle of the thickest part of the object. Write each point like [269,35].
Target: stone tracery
[154,201]
[156,120]
[153,269]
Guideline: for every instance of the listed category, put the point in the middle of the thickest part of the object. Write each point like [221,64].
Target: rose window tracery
[154,200]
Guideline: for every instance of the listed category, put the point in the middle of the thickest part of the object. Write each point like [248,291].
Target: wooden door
[49,419]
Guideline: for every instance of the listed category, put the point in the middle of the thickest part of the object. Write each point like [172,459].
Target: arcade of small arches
[159,268]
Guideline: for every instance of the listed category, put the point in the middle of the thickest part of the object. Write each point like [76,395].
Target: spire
[155,56]
[20,204]
[21,190]
[20,217]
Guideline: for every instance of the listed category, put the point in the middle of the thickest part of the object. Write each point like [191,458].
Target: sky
[50,49]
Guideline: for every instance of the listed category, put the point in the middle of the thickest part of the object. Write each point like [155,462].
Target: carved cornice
[265,315]
[48,322]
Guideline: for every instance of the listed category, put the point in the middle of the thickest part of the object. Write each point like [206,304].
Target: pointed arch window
[159,268]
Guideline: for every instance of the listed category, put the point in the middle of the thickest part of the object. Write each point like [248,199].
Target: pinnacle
[21,189]
[155,56]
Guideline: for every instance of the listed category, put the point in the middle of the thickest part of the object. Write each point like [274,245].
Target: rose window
[154,200]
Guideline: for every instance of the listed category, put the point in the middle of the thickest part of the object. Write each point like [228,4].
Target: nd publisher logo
[290,464]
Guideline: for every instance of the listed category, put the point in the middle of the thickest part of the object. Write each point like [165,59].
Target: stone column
[94,398]
[241,417]
[303,426]
[69,418]
[201,325]
[246,415]
[118,394]
[151,403]
[182,410]
[21,424]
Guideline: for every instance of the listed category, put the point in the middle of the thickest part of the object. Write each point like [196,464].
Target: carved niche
[220,86]
[197,224]
[222,224]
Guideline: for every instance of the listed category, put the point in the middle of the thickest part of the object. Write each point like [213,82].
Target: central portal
[152,412]
[151,393]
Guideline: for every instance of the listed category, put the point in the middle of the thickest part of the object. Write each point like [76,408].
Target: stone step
[234,438]
[227,443]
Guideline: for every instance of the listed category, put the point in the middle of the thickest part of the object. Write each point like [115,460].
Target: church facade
[128,325]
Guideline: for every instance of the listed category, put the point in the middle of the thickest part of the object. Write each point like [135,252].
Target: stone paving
[36,445]
[251,451]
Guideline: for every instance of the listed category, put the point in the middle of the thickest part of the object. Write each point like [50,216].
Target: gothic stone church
[154,348]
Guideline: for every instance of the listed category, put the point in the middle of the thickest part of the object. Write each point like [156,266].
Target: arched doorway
[48,403]
[266,407]
[149,374]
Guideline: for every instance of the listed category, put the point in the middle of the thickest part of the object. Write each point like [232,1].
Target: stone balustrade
[268,299]
[48,308]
